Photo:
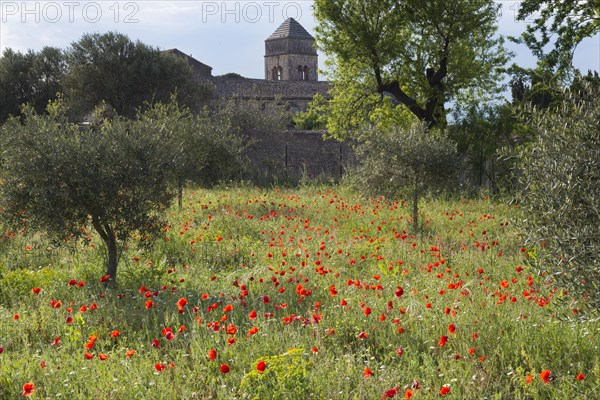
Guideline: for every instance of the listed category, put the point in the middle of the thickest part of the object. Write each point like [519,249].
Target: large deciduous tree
[31,77]
[59,177]
[421,54]
[566,23]
[125,74]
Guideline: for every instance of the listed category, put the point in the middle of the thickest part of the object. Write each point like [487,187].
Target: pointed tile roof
[290,28]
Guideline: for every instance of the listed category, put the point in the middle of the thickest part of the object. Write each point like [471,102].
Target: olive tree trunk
[109,238]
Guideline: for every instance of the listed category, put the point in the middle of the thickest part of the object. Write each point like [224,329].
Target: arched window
[300,73]
[305,73]
[279,73]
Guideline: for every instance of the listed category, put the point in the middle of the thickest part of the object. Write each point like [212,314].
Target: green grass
[308,250]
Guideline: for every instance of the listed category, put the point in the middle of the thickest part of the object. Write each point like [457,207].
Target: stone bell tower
[290,54]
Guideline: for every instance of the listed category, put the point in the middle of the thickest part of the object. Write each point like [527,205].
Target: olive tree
[411,160]
[113,174]
[559,172]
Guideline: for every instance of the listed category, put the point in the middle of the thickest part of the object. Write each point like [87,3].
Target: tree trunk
[112,259]
[180,193]
[110,240]
[416,208]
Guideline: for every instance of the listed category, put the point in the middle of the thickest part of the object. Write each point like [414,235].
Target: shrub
[559,173]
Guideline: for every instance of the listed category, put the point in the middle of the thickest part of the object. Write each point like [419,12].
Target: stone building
[200,70]
[291,76]
[290,54]
[291,70]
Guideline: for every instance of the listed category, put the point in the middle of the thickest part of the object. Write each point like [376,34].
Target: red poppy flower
[115,334]
[444,390]
[367,373]
[408,394]
[451,328]
[529,378]
[580,377]
[129,353]
[159,367]
[253,330]
[149,304]
[224,368]
[88,356]
[69,319]
[260,366]
[332,290]
[545,376]
[181,304]
[16,317]
[105,278]
[399,292]
[231,329]
[443,341]
[56,341]
[1,349]
[28,389]
[212,354]
[36,290]
[228,308]
[43,364]
[102,356]
[155,343]
[252,315]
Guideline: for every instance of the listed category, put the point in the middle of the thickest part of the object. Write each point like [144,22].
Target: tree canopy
[420,54]
[566,23]
[31,77]
[60,177]
[124,74]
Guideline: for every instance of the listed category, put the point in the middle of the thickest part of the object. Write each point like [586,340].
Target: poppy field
[311,293]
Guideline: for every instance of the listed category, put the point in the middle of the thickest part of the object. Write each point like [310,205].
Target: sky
[227,35]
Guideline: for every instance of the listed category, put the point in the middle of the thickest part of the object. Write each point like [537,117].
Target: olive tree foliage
[211,147]
[241,115]
[419,54]
[407,161]
[113,174]
[559,172]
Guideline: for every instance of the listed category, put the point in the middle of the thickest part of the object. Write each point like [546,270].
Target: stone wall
[297,94]
[288,156]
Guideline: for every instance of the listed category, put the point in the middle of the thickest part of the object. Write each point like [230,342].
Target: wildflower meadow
[310,293]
